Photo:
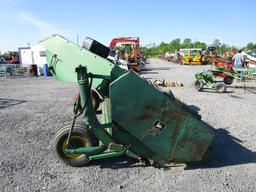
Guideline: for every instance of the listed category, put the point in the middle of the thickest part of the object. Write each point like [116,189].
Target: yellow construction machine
[191,56]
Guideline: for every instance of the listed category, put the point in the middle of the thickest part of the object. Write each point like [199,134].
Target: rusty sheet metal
[159,122]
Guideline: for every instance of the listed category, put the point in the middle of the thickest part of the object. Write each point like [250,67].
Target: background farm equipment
[11,57]
[130,51]
[137,118]
[240,75]
[192,56]
[206,79]
[230,74]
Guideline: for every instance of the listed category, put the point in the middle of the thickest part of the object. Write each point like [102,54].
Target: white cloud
[44,27]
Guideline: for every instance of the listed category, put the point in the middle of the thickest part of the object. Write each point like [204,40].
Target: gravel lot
[33,109]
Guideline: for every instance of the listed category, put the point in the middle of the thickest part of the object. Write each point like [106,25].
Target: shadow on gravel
[156,68]
[207,90]
[227,150]
[4,103]
[117,163]
[236,97]
[148,72]
[251,90]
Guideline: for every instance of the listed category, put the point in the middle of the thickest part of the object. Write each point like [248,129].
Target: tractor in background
[192,56]
[129,48]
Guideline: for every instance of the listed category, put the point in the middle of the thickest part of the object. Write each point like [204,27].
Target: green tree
[174,45]
[199,44]
[250,46]
[152,50]
[216,43]
[187,43]
[162,48]
[223,48]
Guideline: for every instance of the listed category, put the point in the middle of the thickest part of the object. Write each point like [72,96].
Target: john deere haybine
[137,119]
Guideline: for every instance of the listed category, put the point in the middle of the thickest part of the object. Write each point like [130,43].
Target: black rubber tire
[199,85]
[60,138]
[220,87]
[228,80]
[95,100]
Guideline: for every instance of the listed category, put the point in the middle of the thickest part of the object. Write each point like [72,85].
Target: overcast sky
[29,21]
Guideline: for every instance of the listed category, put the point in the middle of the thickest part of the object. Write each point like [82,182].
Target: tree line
[152,50]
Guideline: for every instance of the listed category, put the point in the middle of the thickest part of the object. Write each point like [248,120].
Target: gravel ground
[33,109]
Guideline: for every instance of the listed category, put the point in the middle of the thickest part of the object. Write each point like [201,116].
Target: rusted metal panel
[162,124]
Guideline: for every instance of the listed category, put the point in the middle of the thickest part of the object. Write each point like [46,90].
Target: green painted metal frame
[134,110]
[154,124]
[63,56]
[90,118]
[185,138]
[243,73]
[207,78]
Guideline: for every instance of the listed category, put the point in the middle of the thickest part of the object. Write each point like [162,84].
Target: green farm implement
[207,78]
[137,118]
[240,74]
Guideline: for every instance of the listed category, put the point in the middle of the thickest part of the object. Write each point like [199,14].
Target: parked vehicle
[3,61]
[11,57]
[192,56]
[129,49]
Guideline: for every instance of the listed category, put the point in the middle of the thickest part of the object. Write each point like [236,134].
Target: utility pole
[77,40]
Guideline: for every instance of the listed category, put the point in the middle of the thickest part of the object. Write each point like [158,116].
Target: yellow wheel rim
[76,141]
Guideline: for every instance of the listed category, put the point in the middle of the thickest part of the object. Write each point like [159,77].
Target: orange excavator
[129,48]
